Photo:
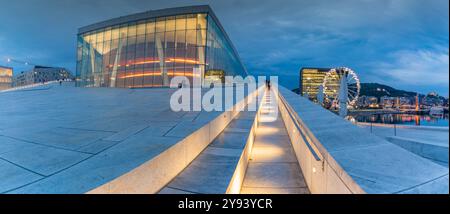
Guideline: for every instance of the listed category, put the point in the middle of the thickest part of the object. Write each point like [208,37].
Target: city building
[149,49]
[41,74]
[367,102]
[405,101]
[387,102]
[373,102]
[310,80]
[6,74]
[396,102]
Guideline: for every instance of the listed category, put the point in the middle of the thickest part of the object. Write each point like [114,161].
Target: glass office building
[149,49]
[6,74]
[310,80]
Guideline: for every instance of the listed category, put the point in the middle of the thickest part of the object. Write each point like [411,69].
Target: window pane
[141,28]
[147,79]
[131,45]
[150,27]
[132,30]
[138,76]
[201,21]
[169,62]
[107,35]
[170,23]
[79,53]
[106,59]
[99,48]
[181,22]
[100,37]
[191,22]
[123,31]
[113,52]
[170,39]
[150,49]
[140,47]
[160,25]
[180,39]
[191,38]
[201,37]
[157,78]
[115,33]
[92,38]
[159,40]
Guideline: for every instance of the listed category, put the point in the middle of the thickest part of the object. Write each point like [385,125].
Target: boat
[437,111]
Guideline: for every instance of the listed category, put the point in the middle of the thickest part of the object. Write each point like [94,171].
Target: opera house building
[148,49]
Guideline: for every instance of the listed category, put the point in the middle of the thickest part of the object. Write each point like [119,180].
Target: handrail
[297,125]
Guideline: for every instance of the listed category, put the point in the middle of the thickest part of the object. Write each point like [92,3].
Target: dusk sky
[401,43]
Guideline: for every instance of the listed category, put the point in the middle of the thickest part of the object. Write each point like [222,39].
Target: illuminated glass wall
[220,58]
[310,80]
[149,53]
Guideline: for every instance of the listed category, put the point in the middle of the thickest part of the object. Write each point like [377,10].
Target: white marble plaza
[65,139]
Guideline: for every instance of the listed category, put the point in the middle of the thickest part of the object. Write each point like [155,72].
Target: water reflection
[405,119]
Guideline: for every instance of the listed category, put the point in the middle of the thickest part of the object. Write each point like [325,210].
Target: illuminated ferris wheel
[332,83]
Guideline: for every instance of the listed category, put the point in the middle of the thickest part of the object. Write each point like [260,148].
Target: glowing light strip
[169,60]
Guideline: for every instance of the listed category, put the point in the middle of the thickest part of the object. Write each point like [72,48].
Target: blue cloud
[376,38]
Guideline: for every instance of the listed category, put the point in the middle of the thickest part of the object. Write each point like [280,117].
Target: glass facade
[220,59]
[150,52]
[6,75]
[310,80]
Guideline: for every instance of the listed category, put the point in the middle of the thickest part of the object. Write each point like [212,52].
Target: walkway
[273,167]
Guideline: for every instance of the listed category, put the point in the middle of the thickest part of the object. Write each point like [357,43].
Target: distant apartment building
[6,75]
[402,101]
[395,102]
[387,102]
[41,74]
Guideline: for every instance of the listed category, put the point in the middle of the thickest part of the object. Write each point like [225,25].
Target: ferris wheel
[332,84]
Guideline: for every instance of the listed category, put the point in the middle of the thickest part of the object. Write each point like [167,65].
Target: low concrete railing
[322,174]
[241,168]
